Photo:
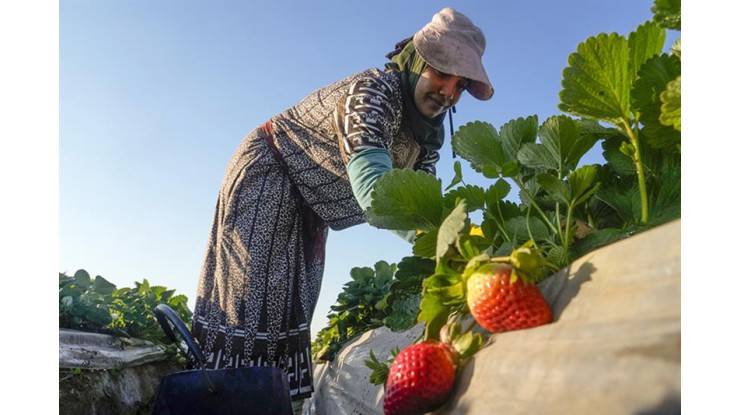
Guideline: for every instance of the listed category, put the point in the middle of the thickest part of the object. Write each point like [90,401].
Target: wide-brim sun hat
[452,44]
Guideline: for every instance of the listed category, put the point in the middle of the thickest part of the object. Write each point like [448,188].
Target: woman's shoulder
[376,82]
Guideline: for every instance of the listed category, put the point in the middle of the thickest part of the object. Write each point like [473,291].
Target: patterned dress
[284,187]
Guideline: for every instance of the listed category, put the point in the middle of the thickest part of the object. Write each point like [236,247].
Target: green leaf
[666,204]
[554,187]
[561,135]
[516,133]
[644,43]
[451,227]
[361,273]
[497,192]
[458,176]
[412,268]
[621,163]
[654,76]
[676,49]
[670,110]
[474,197]
[667,13]
[626,203]
[582,183]
[82,279]
[479,143]
[446,289]
[103,286]
[426,245]
[596,83]
[406,200]
[523,229]
[435,314]
[470,246]
[404,313]
[383,274]
[557,256]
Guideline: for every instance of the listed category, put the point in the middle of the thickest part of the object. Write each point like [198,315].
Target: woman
[311,168]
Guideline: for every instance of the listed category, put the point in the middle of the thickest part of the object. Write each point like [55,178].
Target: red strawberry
[499,304]
[420,379]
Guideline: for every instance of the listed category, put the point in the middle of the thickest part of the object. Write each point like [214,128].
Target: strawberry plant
[355,311]
[627,95]
[97,305]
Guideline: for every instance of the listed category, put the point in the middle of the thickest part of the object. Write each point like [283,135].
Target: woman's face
[437,91]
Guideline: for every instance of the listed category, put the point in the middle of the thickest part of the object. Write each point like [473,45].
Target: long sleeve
[364,169]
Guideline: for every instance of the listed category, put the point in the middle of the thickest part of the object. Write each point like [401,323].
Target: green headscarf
[428,132]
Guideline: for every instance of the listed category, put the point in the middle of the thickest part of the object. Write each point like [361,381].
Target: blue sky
[154,97]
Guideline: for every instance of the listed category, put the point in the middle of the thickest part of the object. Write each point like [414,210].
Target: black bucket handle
[168,319]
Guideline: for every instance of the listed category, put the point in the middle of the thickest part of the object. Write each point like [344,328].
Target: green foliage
[627,95]
[360,307]
[415,204]
[667,13]
[98,306]
[625,82]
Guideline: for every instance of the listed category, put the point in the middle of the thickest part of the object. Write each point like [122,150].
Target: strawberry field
[474,267]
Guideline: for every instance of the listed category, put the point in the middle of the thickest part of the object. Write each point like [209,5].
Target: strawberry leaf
[435,313]
[479,143]
[654,77]
[474,197]
[667,13]
[644,43]
[405,310]
[517,132]
[622,164]
[426,245]
[563,145]
[458,176]
[670,110]
[497,192]
[406,200]
[451,227]
[103,286]
[596,82]
[554,187]
[82,279]
[521,229]
[582,183]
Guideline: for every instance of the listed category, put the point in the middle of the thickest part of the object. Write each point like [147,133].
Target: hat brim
[455,58]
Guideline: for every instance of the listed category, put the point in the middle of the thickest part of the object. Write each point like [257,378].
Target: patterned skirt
[261,276]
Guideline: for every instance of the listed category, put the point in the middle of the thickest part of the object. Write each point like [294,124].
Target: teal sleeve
[364,169]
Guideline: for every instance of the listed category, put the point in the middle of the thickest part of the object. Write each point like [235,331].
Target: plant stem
[640,170]
[536,206]
[566,239]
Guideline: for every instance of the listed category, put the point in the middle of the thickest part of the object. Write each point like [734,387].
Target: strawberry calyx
[527,263]
[463,343]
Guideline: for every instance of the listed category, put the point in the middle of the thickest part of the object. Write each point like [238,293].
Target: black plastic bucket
[247,390]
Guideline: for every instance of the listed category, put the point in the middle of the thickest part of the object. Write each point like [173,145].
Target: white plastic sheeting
[614,346]
[78,349]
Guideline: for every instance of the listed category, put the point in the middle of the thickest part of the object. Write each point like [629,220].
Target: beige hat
[454,45]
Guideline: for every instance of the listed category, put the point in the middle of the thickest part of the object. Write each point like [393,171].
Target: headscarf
[428,132]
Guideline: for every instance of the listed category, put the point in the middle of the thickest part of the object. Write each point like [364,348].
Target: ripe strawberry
[499,304]
[420,379]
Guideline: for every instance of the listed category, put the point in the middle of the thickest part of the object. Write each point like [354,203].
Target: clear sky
[154,97]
